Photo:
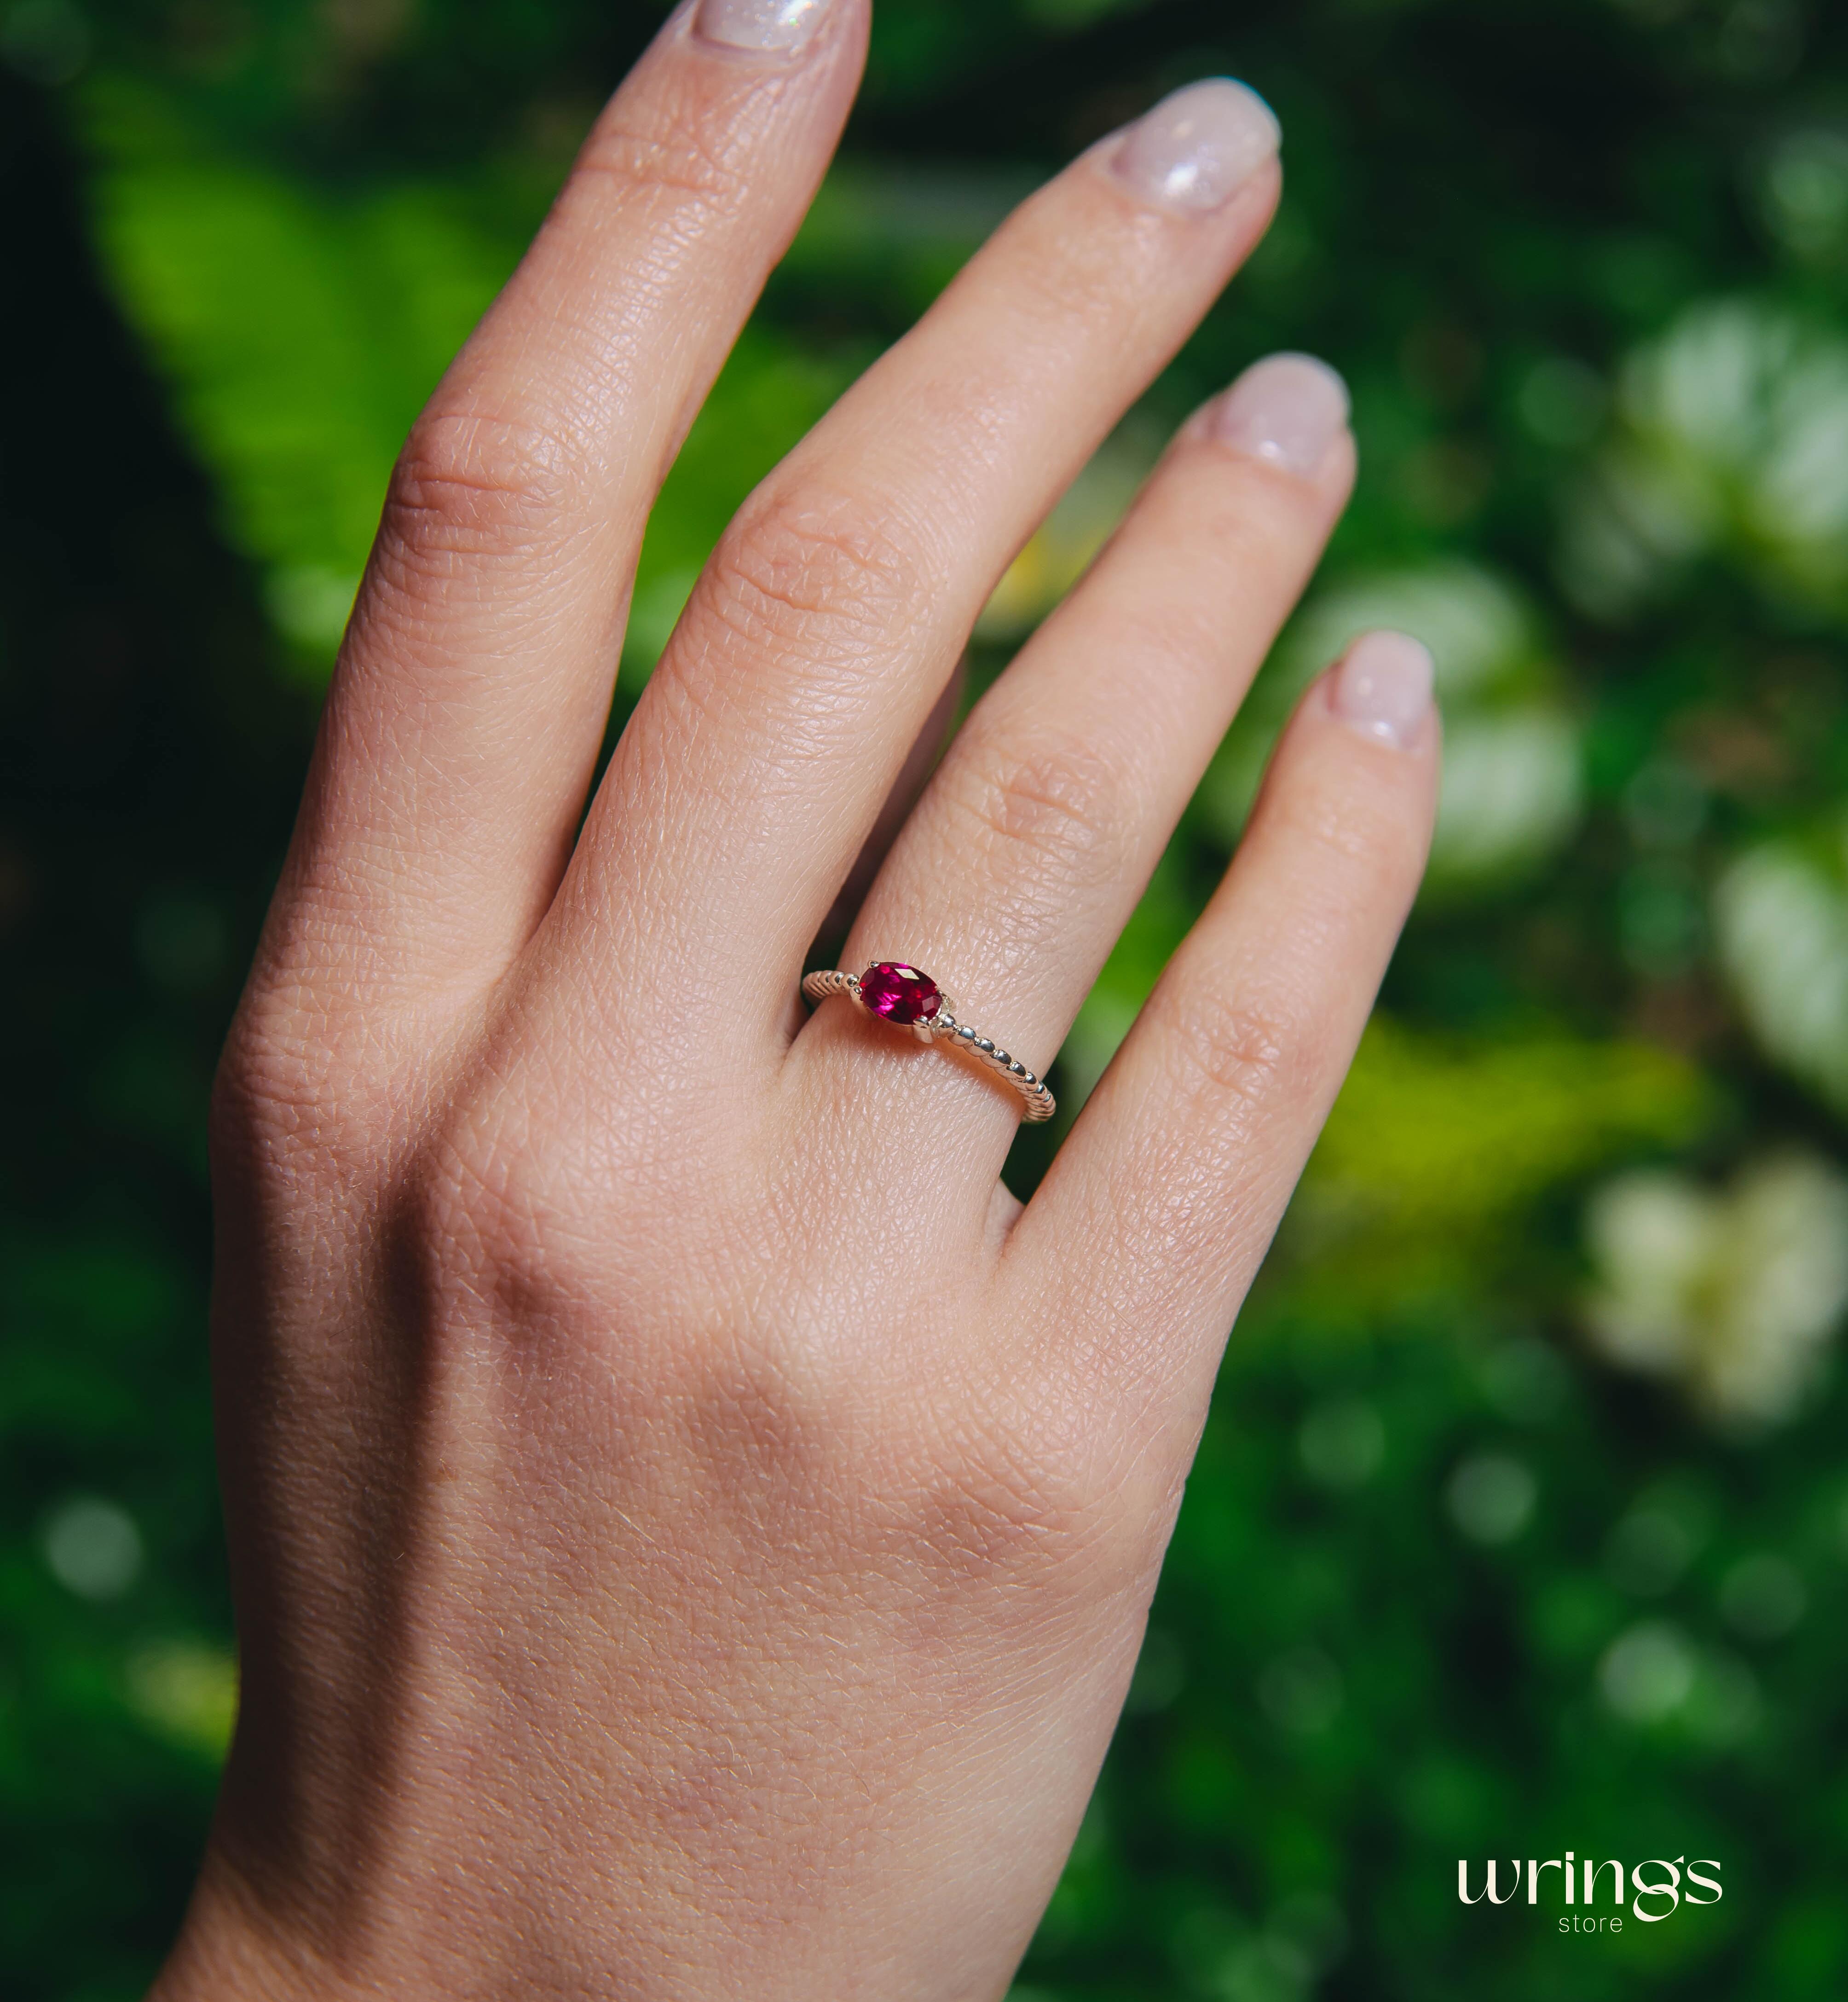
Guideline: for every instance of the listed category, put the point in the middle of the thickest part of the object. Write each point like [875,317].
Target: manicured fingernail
[1288,409]
[1382,688]
[1199,145]
[779,25]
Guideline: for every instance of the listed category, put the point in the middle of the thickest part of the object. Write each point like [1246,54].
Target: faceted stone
[898,993]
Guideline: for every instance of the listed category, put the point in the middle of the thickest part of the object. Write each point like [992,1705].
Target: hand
[691,1527]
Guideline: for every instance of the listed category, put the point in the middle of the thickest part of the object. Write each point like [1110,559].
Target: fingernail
[1199,145]
[779,25]
[1382,688]
[1287,410]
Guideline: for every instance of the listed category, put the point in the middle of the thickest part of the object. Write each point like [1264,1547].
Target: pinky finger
[1160,1205]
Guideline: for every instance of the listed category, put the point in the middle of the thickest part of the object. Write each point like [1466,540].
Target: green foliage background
[1520,1525]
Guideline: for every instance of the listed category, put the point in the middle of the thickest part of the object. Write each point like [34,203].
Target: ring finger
[1042,826]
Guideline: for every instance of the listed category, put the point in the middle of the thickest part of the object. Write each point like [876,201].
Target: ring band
[898,993]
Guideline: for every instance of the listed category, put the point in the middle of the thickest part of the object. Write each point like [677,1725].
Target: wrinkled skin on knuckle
[1243,1049]
[670,160]
[471,490]
[1047,821]
[813,572]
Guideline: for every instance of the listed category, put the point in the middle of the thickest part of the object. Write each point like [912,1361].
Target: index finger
[466,715]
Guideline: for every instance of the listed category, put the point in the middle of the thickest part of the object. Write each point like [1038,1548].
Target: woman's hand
[692,1529]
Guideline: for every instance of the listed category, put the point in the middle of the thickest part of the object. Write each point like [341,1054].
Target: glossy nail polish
[1382,688]
[1287,410]
[1197,147]
[775,26]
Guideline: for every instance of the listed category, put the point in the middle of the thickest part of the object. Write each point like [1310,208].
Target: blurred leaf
[302,330]
[1433,1143]
[187,1691]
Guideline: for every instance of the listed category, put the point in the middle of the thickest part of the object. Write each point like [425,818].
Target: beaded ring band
[908,999]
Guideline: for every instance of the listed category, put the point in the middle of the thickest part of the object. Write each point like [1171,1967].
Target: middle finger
[836,605]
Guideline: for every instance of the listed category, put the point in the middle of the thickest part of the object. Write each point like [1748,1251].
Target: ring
[908,999]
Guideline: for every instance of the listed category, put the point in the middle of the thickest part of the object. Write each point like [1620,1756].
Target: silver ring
[898,993]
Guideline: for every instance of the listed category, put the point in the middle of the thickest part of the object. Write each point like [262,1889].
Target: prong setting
[908,998]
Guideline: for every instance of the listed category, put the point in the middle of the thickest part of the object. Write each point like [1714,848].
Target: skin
[692,1528]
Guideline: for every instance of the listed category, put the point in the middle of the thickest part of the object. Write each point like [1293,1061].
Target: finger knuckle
[469,1206]
[814,570]
[1331,823]
[1016,1496]
[1222,1044]
[932,1495]
[1356,842]
[1066,278]
[296,1091]
[1178,633]
[680,161]
[475,488]
[763,1432]
[1048,819]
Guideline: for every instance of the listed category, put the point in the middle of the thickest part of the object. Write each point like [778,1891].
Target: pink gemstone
[900,994]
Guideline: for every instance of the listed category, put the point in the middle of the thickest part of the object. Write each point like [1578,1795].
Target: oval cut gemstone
[900,994]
